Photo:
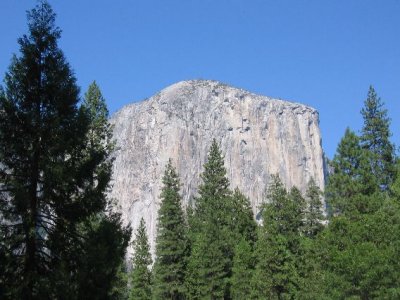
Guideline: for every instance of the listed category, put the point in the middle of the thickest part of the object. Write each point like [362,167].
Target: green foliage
[375,137]
[308,264]
[52,181]
[99,132]
[214,190]
[314,212]
[242,223]
[171,248]
[102,258]
[359,258]
[105,239]
[351,177]
[278,248]
[275,275]
[395,186]
[294,212]
[120,288]
[207,275]
[211,256]
[283,213]
[141,275]
[242,270]
[357,254]
[220,219]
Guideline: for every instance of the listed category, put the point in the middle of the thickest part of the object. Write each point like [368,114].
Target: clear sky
[323,53]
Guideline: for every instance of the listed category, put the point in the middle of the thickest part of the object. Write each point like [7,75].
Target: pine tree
[356,252]
[275,275]
[358,257]
[105,239]
[211,256]
[207,275]
[141,276]
[171,243]
[294,211]
[99,133]
[243,224]
[375,137]
[278,248]
[351,177]
[395,186]
[308,264]
[242,270]
[120,290]
[214,189]
[313,214]
[50,183]
[103,257]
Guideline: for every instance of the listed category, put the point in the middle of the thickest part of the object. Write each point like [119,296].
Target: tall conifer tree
[356,251]
[50,183]
[140,286]
[308,264]
[242,270]
[211,255]
[352,176]
[313,213]
[243,224]
[214,189]
[276,275]
[105,237]
[171,243]
[375,137]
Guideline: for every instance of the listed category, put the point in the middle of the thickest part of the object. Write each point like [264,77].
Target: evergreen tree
[120,288]
[141,276]
[243,224]
[102,259]
[355,254]
[171,247]
[294,210]
[275,275]
[242,270]
[211,254]
[51,183]
[375,137]
[358,258]
[278,247]
[207,275]
[99,133]
[351,177]
[308,265]
[313,214]
[105,238]
[395,186]
[214,189]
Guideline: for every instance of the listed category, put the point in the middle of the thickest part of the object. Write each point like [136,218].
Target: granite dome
[259,136]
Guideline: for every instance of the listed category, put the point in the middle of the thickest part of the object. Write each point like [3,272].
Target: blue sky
[322,53]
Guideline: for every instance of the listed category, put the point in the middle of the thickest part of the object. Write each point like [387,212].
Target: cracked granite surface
[259,136]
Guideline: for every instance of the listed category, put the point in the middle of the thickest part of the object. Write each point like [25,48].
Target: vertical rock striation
[259,136]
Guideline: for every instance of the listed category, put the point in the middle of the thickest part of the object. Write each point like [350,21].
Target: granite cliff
[259,136]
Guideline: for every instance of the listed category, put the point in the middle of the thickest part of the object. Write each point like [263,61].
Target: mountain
[259,136]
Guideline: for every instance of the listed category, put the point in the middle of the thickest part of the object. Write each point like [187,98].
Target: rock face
[259,136]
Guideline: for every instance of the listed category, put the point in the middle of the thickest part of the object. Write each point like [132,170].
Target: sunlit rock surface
[259,136]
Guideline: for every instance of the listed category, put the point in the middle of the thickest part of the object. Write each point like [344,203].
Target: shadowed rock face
[259,136]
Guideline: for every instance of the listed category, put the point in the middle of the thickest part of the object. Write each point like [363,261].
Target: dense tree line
[61,239]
